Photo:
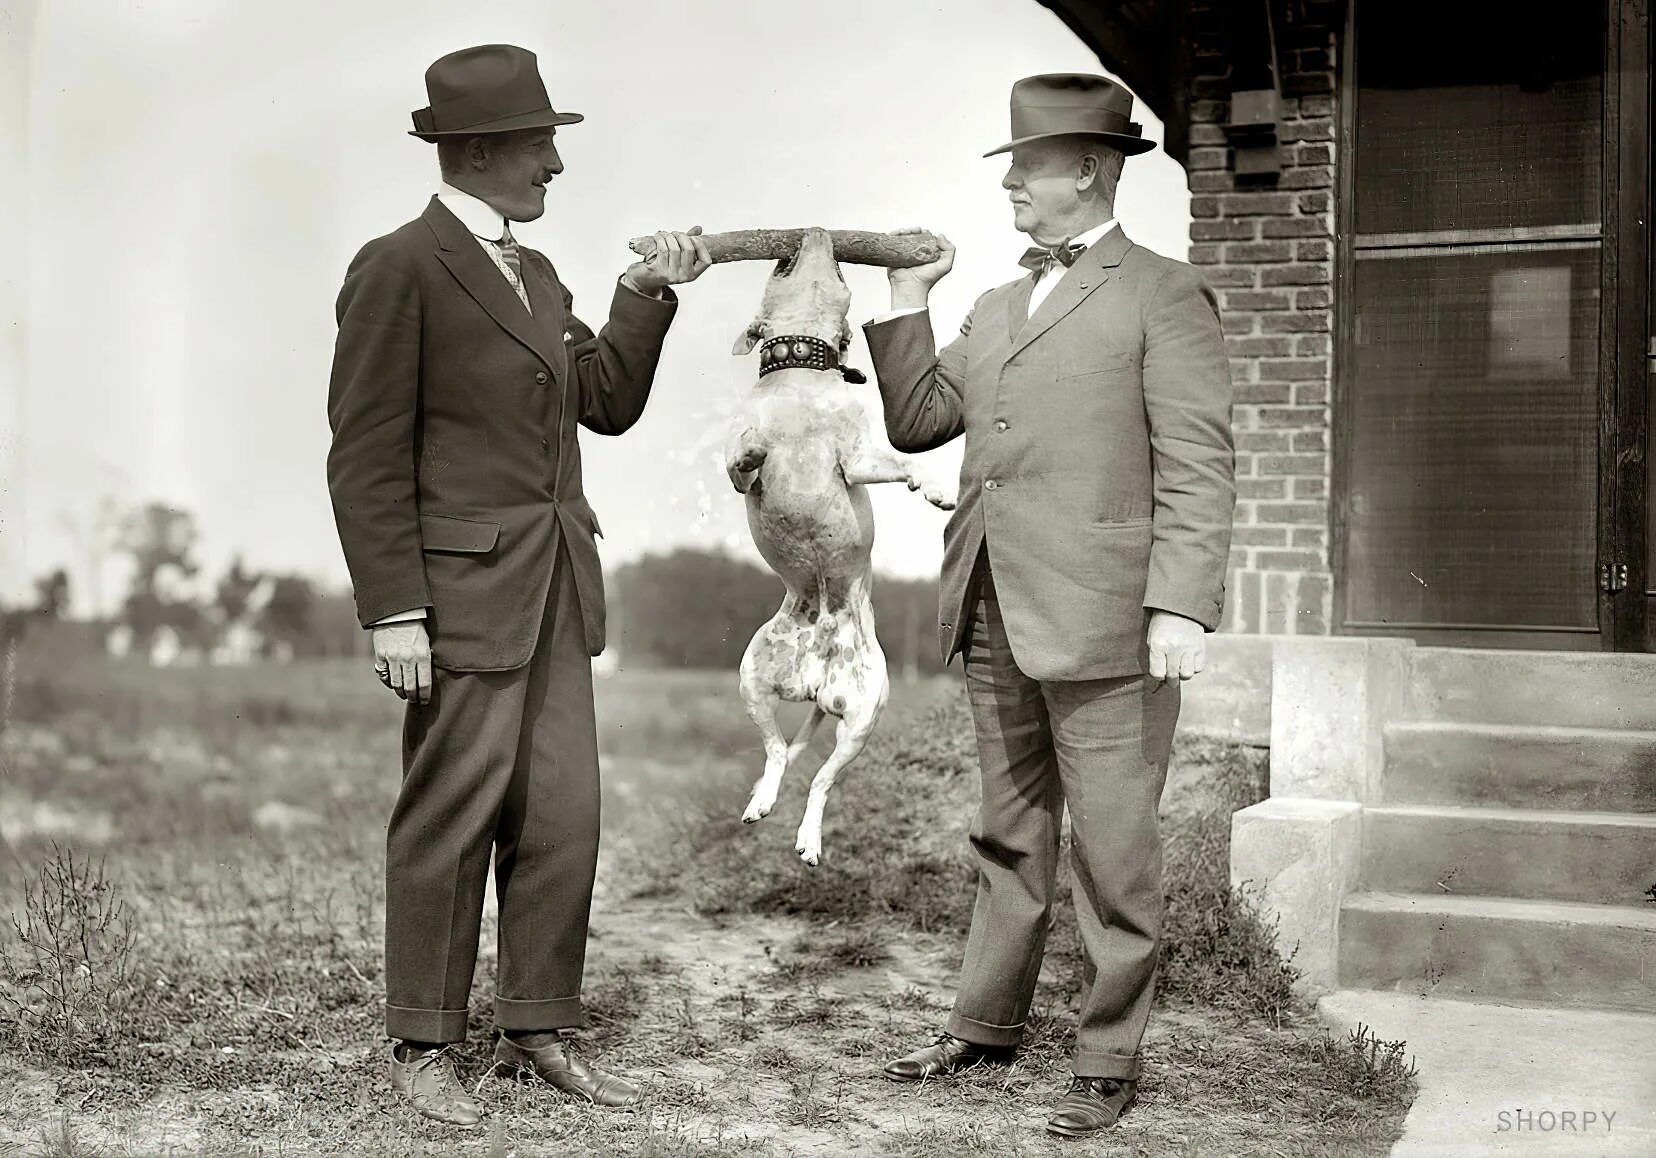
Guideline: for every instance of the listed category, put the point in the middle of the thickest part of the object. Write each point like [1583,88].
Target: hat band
[476,109]
[1047,120]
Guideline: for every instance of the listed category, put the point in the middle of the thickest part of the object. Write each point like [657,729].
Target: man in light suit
[459,378]
[1082,569]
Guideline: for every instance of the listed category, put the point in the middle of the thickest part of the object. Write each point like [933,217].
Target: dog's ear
[748,338]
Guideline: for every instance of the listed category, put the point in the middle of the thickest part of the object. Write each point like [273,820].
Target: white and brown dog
[801,449]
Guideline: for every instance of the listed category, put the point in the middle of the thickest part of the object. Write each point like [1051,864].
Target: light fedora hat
[493,88]
[1064,104]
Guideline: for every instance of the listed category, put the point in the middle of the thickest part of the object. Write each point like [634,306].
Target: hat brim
[1129,145]
[540,119]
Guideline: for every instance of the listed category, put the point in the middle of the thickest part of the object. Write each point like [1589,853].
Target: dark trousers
[1102,746]
[507,760]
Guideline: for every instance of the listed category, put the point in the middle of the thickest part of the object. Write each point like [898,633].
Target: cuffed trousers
[1102,746]
[509,761]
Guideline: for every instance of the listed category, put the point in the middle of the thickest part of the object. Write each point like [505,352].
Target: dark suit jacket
[455,469]
[1099,461]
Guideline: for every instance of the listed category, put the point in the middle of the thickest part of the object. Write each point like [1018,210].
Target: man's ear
[748,338]
[1088,175]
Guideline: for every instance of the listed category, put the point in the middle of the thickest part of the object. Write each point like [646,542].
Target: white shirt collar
[1094,235]
[478,216]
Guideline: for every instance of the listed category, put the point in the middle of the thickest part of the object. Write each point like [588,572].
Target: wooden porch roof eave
[1146,44]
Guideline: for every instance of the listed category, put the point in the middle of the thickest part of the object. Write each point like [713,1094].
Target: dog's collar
[797,352]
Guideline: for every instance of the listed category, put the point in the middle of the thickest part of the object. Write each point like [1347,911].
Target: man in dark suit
[1083,566]
[459,378]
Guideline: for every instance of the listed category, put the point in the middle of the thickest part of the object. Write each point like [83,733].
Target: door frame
[1624,377]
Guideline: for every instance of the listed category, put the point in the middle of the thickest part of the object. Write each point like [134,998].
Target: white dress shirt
[1048,282]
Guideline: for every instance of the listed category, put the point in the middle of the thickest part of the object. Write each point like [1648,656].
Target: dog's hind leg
[761,709]
[807,731]
[773,651]
[862,692]
[850,737]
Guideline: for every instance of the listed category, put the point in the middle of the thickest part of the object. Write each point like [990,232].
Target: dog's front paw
[758,808]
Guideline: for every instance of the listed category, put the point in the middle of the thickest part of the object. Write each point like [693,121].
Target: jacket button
[1001,424]
[540,378]
[990,484]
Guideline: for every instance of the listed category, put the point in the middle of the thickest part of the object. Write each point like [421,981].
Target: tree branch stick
[855,246]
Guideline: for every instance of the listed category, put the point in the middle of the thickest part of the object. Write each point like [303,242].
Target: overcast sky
[200,173]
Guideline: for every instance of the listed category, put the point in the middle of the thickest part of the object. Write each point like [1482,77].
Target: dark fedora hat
[1063,104]
[493,88]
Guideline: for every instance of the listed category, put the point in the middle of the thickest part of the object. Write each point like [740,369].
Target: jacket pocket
[1108,362]
[462,536]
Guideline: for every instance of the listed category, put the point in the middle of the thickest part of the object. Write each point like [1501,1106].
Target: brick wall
[1267,250]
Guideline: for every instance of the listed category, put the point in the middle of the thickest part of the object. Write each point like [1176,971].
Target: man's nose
[553,161]
[1011,180]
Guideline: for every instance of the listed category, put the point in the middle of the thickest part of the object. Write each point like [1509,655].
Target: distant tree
[694,608]
[334,627]
[289,617]
[235,591]
[52,594]
[162,542]
[905,614]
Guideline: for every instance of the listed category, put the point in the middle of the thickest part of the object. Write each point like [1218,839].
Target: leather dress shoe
[1091,1105]
[547,1058]
[429,1081]
[948,1055]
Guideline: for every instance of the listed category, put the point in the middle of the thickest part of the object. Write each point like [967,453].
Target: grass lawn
[195,858]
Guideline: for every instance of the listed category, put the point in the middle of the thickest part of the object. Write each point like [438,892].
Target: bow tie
[1039,258]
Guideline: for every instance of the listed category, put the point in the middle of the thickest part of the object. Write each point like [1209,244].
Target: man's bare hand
[678,258]
[402,659]
[912,286]
[1178,647]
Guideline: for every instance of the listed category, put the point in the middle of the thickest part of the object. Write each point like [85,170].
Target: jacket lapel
[1017,312]
[459,251]
[1091,270]
[549,320]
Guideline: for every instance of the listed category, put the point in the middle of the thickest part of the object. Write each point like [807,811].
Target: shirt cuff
[401,617]
[658,296]
[898,314]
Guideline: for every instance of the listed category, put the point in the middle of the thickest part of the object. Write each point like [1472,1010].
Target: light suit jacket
[1099,466]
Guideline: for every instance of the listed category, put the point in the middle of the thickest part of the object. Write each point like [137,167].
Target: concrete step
[1523,766]
[1566,688]
[1592,857]
[1496,949]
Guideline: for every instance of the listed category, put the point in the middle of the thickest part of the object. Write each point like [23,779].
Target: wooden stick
[850,245]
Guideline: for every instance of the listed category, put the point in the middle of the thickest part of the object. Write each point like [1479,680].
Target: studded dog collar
[797,352]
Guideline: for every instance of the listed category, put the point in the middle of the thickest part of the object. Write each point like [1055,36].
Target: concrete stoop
[1463,824]
[1499,1080]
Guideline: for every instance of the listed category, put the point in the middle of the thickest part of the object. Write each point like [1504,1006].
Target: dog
[802,450]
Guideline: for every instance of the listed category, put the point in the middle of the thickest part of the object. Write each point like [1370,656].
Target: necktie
[509,255]
[1039,258]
